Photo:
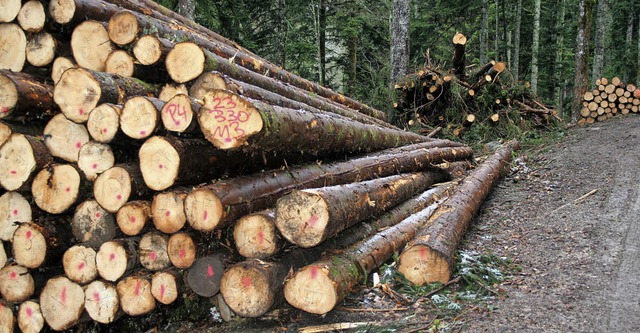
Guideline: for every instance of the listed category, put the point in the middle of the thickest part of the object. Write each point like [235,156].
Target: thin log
[135,295]
[91,46]
[14,208]
[140,116]
[30,317]
[177,114]
[117,258]
[37,245]
[103,123]
[205,275]
[222,202]
[308,217]
[14,57]
[65,138]
[182,250]
[133,216]
[79,263]
[95,158]
[25,97]
[10,11]
[5,133]
[16,283]
[31,16]
[430,256]
[459,43]
[22,156]
[256,235]
[3,255]
[167,210]
[114,187]
[56,188]
[152,251]
[166,286]
[150,50]
[101,302]
[41,49]
[92,225]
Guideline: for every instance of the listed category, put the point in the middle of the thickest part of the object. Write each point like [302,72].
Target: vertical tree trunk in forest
[496,42]
[322,39]
[282,32]
[484,33]
[399,39]
[535,48]
[353,64]
[638,60]
[600,35]
[187,8]
[628,49]
[582,55]
[558,77]
[516,42]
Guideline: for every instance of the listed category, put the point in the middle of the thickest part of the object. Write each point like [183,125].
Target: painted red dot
[153,256]
[5,109]
[227,140]
[161,166]
[13,275]
[81,111]
[13,172]
[260,237]
[182,253]
[177,122]
[210,271]
[29,312]
[68,189]
[205,215]
[104,130]
[163,289]
[98,215]
[132,219]
[81,266]
[314,272]
[137,289]
[29,234]
[119,196]
[63,296]
[423,251]
[15,212]
[246,281]
[143,132]
[94,166]
[78,145]
[167,213]
[112,256]
[313,220]
[96,297]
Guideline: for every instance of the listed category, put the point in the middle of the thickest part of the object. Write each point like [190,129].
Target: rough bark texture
[399,39]
[516,53]
[430,256]
[559,57]
[535,47]
[458,63]
[187,8]
[600,39]
[484,32]
[583,37]
[25,97]
[218,204]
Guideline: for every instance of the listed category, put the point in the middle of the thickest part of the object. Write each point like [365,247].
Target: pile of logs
[136,170]
[453,99]
[609,98]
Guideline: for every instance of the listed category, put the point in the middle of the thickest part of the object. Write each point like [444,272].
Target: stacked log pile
[455,99]
[607,99]
[124,172]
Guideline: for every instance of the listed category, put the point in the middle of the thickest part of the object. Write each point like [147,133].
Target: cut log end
[205,275]
[153,251]
[92,224]
[185,62]
[312,290]
[101,301]
[60,65]
[79,263]
[91,45]
[56,188]
[10,10]
[133,216]
[64,138]
[95,158]
[114,259]
[170,90]
[148,50]
[8,93]
[459,39]
[120,62]
[228,120]
[204,210]
[29,245]
[113,188]
[182,250]
[165,287]
[123,28]
[41,49]
[30,317]
[139,117]
[16,284]
[256,236]
[77,93]
[135,296]
[104,122]
[5,131]
[421,265]
[7,320]
[13,57]
[302,217]
[177,113]
[18,162]
[167,210]
[62,11]
[14,208]
[246,290]
[61,303]
[3,255]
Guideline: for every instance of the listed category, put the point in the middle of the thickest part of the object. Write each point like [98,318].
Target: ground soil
[578,257]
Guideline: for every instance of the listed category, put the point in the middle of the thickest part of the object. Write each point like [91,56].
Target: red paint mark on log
[15,212]
[178,123]
[81,111]
[119,197]
[205,215]
[5,109]
[68,189]
[423,251]
[153,256]
[29,234]
[246,281]
[63,296]
[14,172]
[96,297]
[227,140]
[98,215]
[162,291]
[167,213]
[81,266]
[314,272]
[143,132]
[112,257]
[182,253]
[260,237]
[137,289]
[78,145]
[29,312]
[210,271]
[95,165]
[104,130]
[132,219]
[13,275]
[161,166]
[313,220]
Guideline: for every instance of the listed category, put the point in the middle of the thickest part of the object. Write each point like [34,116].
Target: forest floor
[569,265]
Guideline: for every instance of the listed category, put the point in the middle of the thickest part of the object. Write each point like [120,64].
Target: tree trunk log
[140,116]
[14,208]
[16,283]
[92,225]
[7,320]
[22,156]
[14,57]
[150,49]
[91,46]
[61,303]
[117,258]
[101,302]
[253,287]
[459,43]
[60,64]
[430,256]
[41,49]
[35,245]
[80,90]
[232,122]
[133,217]
[135,295]
[95,158]
[309,217]
[10,11]
[103,123]
[182,250]
[30,317]
[255,235]
[5,133]
[205,275]
[167,210]
[25,97]
[177,114]
[114,187]
[79,263]
[166,286]
[56,188]
[153,251]
[64,138]
[220,203]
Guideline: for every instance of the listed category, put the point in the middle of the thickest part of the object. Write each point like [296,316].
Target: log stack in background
[123,171]
[607,99]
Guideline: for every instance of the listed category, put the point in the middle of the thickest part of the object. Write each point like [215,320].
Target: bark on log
[152,251]
[14,57]
[167,210]
[22,156]
[133,216]
[92,225]
[309,217]
[430,256]
[30,319]
[37,245]
[25,97]
[166,286]
[80,90]
[135,295]
[218,204]
[117,258]
[61,303]
[114,187]
[56,188]
[41,49]
[79,263]
[205,275]
[103,123]
[14,208]
[182,250]
[95,158]
[16,283]
[64,138]
[101,302]
[255,235]
[232,122]
[459,43]
[253,287]
[91,46]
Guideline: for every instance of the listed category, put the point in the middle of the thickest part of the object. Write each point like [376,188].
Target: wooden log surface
[101,301]
[16,283]
[57,188]
[91,46]
[133,216]
[25,97]
[14,208]
[14,57]
[256,236]
[92,225]
[117,258]
[61,303]
[135,295]
[30,317]
[22,156]
[79,263]
[64,138]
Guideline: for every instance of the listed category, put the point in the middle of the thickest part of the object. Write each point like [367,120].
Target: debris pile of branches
[609,98]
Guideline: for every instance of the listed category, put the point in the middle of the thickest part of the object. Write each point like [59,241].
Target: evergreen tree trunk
[282,32]
[187,8]
[558,73]
[628,48]
[600,35]
[582,55]
[322,41]
[535,48]
[496,42]
[516,43]
[353,64]
[484,33]
[638,60]
[399,39]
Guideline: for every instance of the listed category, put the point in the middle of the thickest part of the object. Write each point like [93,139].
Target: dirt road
[580,261]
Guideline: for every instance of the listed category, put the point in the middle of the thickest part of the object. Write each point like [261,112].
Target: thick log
[30,317]
[101,301]
[458,63]
[22,156]
[14,208]
[92,225]
[13,57]
[232,121]
[60,64]
[253,287]
[61,303]
[79,263]
[222,202]
[103,123]
[114,187]
[135,295]
[65,138]
[205,274]
[41,49]
[140,117]
[7,320]
[430,256]
[95,158]
[309,217]
[117,258]
[152,251]
[182,250]
[167,210]
[80,90]
[16,283]
[256,235]
[10,9]
[25,97]
[133,216]
[35,245]
[56,188]
[90,45]
[166,286]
